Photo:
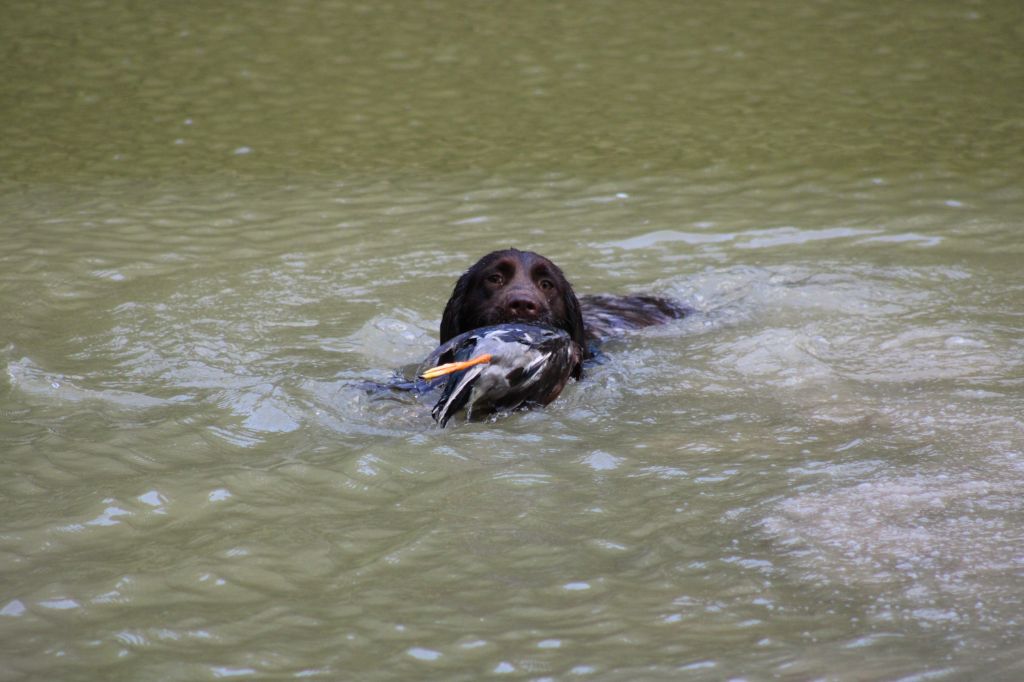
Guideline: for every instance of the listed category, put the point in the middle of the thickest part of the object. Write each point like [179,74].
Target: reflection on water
[609,92]
[217,226]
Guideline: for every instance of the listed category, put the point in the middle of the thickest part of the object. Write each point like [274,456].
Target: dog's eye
[546,284]
[495,278]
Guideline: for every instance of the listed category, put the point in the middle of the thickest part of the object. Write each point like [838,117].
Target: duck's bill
[452,367]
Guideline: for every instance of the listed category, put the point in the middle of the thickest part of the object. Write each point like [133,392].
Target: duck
[501,367]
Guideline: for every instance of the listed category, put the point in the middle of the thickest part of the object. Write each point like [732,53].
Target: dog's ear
[574,316]
[574,324]
[451,319]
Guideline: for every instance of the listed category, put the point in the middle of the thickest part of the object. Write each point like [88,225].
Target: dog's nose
[523,307]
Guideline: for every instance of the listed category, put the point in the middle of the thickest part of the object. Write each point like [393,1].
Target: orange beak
[452,367]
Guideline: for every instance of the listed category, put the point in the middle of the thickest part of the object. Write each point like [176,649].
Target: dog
[522,286]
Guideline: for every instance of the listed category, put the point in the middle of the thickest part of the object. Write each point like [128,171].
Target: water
[216,222]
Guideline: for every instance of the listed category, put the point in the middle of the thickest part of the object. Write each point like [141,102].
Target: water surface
[216,222]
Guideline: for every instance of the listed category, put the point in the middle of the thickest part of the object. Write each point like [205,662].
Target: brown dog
[523,286]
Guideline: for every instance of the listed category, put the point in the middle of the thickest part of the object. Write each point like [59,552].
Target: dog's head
[512,286]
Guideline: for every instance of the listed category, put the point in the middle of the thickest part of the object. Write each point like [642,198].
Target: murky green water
[216,220]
